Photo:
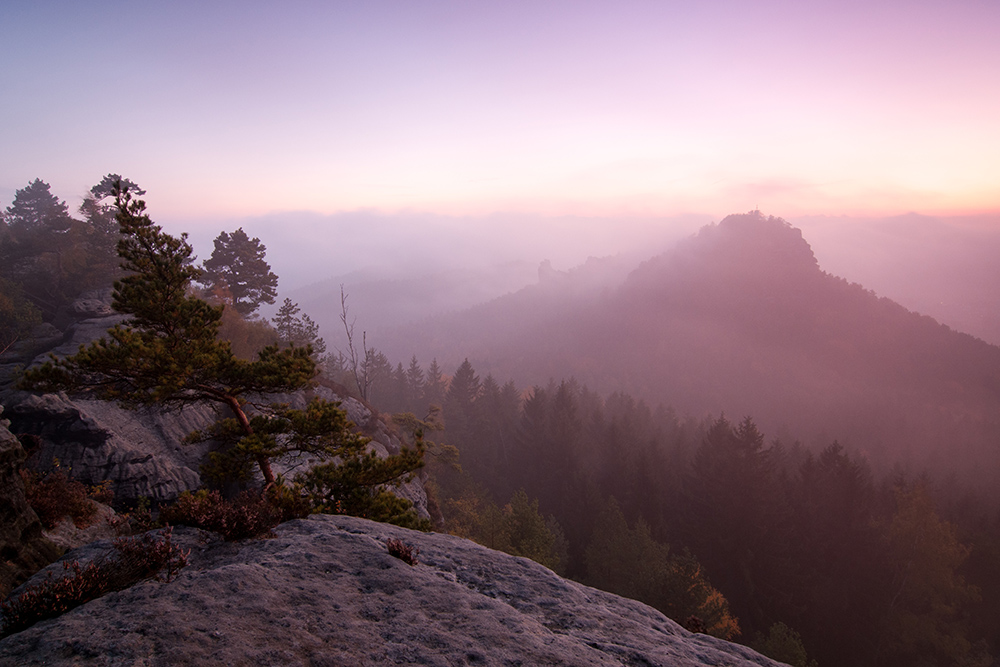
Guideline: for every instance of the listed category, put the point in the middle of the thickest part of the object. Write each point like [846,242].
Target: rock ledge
[325,591]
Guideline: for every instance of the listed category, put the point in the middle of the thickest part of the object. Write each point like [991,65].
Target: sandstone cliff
[325,591]
[140,451]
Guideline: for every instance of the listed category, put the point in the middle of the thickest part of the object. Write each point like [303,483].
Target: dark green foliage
[413,393]
[784,645]
[735,515]
[34,208]
[321,429]
[529,534]
[17,315]
[359,484]
[237,271]
[295,329]
[169,354]
[136,559]
[923,622]
[517,528]
[629,562]
[434,385]
[99,213]
[51,256]
[785,535]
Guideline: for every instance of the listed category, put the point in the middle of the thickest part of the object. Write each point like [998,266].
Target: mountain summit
[741,319]
[749,246]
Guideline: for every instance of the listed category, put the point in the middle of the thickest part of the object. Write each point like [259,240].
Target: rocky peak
[752,239]
[744,256]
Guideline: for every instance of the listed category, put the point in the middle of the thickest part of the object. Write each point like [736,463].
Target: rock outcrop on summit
[741,318]
[326,591]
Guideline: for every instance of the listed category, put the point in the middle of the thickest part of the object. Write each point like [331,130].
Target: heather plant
[139,520]
[57,496]
[136,559]
[247,515]
[404,552]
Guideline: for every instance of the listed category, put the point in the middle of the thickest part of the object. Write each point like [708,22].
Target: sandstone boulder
[326,591]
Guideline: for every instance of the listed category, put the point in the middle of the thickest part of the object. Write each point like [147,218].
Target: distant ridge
[740,318]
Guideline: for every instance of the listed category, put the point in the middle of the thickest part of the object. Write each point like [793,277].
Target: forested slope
[740,318]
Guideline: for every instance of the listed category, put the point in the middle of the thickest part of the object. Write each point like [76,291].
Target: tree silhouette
[35,207]
[168,353]
[295,329]
[237,269]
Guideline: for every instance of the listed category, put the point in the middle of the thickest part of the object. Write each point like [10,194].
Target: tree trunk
[262,461]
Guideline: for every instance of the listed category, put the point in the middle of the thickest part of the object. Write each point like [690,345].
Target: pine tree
[38,241]
[99,213]
[35,207]
[435,385]
[628,561]
[168,353]
[459,405]
[414,387]
[295,329]
[237,268]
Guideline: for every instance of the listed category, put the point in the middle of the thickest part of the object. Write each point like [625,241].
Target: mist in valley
[696,304]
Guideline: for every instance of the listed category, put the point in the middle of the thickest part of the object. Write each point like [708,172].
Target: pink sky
[583,108]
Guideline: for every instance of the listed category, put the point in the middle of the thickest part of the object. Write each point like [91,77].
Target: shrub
[57,496]
[139,520]
[136,559]
[247,515]
[102,492]
[404,552]
[289,501]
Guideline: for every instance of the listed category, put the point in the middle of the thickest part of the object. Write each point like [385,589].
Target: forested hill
[740,318]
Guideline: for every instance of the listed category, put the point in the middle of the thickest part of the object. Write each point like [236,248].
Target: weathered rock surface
[67,536]
[140,451]
[23,549]
[325,591]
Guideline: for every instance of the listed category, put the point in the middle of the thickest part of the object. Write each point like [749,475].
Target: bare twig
[360,369]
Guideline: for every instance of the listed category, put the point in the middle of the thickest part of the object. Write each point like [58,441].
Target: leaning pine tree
[168,353]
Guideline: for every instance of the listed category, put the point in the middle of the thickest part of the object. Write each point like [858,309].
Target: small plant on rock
[404,552]
[57,496]
[247,515]
[136,559]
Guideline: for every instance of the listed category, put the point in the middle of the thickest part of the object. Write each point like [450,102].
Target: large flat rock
[325,591]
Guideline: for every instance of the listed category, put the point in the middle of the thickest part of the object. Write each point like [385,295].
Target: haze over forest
[636,262]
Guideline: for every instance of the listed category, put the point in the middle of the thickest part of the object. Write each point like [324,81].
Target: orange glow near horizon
[644,109]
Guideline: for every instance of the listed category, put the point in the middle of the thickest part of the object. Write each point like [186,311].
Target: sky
[232,113]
